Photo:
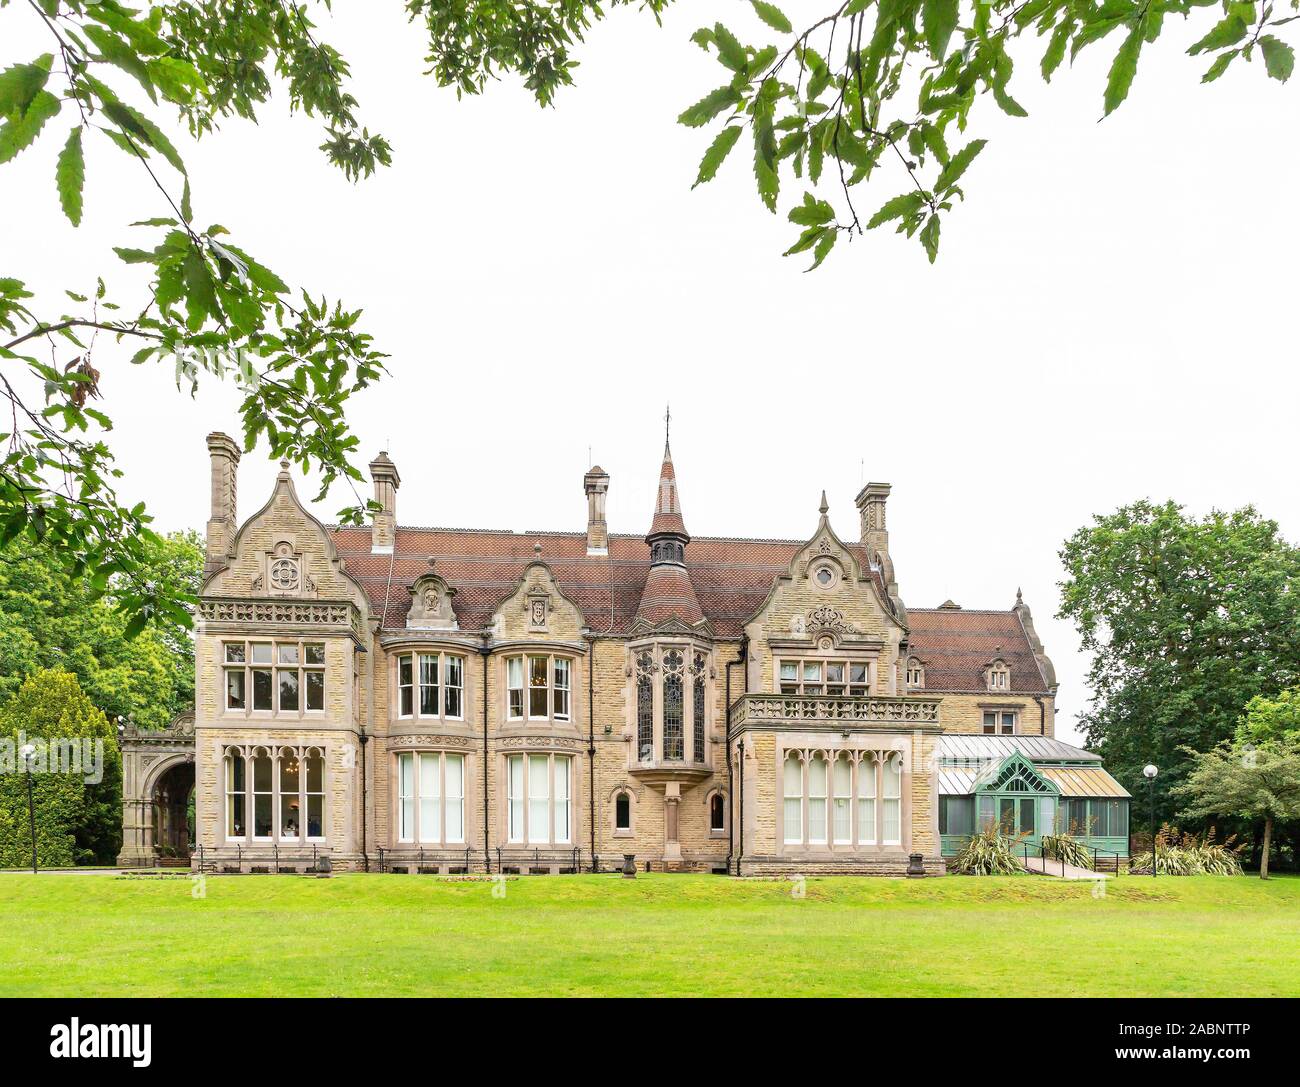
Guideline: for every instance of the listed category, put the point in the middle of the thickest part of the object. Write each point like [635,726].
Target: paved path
[1053,868]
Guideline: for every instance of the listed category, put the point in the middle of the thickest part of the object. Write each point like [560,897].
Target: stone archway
[157,779]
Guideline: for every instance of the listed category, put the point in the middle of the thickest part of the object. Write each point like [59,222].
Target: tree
[77,822]
[1187,620]
[49,619]
[1243,780]
[1271,719]
[827,105]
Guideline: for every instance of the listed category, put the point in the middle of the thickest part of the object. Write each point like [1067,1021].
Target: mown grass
[373,935]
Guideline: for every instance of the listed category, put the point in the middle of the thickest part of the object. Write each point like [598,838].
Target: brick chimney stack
[596,485]
[222,523]
[383,472]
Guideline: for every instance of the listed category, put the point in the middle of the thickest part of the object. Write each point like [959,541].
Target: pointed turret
[668,593]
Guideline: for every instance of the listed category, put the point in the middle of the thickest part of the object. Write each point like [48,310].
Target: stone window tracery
[670,704]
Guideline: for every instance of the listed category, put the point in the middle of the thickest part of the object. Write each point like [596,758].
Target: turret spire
[668,594]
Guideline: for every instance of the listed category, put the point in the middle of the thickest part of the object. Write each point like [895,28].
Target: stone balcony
[830,711]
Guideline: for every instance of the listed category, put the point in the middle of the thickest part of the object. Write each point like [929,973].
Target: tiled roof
[729,579]
[956,645]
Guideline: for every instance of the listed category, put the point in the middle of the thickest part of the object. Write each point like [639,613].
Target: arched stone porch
[157,780]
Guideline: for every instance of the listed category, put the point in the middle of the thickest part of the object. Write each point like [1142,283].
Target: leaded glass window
[645,708]
[701,674]
[674,736]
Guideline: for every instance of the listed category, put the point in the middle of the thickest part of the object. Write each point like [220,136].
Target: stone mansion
[432,699]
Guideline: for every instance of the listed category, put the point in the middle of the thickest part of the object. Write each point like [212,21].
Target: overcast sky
[1111,317]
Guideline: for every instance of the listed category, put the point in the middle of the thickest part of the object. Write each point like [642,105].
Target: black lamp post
[1149,772]
[28,751]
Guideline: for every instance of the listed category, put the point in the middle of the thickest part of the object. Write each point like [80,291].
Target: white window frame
[1003,723]
[524,809]
[278,659]
[415,659]
[416,797]
[891,801]
[555,690]
[804,683]
[999,676]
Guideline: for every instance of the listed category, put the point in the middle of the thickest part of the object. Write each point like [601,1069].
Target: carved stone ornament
[827,618]
[538,606]
[429,741]
[431,603]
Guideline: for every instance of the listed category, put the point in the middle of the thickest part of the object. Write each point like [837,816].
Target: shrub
[1064,847]
[1187,855]
[988,853]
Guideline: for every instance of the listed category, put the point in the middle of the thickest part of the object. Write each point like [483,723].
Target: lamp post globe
[27,752]
[1149,771]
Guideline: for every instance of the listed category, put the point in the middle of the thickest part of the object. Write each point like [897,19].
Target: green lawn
[595,935]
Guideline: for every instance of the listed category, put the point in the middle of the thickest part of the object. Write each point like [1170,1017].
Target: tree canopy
[78,822]
[1187,620]
[51,620]
[869,91]
[1240,779]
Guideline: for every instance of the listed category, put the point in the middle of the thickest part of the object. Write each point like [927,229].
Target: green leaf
[939,19]
[957,165]
[70,176]
[1122,70]
[718,150]
[1056,48]
[20,130]
[19,84]
[896,208]
[1228,31]
[1279,58]
[730,51]
[772,15]
[709,107]
[930,237]
[812,212]
[143,128]
[765,174]
[1220,65]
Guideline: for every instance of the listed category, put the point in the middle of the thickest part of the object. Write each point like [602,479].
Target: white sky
[1107,319]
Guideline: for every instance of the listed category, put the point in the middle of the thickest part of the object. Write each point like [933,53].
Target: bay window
[430,798]
[274,677]
[670,709]
[539,808]
[841,799]
[541,685]
[431,685]
[280,792]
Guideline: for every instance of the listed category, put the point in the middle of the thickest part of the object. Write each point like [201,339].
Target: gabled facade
[406,698]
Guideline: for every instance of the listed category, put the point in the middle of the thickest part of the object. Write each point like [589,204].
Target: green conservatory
[1028,787]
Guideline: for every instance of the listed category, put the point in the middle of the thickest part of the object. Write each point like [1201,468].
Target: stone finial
[824,507]
[537,549]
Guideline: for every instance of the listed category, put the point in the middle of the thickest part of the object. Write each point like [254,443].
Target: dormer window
[998,676]
[915,673]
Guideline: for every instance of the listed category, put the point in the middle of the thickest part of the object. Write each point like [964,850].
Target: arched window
[263,794]
[235,793]
[817,801]
[674,738]
[866,801]
[792,779]
[915,673]
[717,813]
[701,674]
[999,676]
[891,800]
[623,812]
[645,708]
[842,783]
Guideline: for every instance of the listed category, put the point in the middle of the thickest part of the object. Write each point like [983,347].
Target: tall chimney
[222,524]
[596,485]
[384,530]
[871,510]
